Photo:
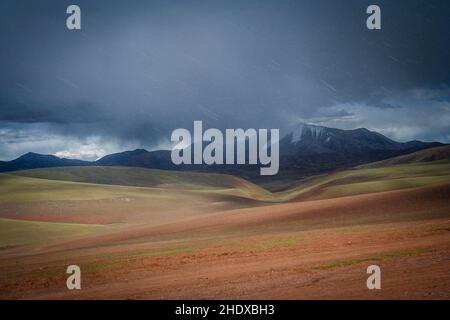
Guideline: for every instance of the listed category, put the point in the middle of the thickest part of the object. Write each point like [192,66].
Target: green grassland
[140,177]
[107,182]
[433,154]
[369,180]
[46,193]
[170,195]
[18,232]
[93,183]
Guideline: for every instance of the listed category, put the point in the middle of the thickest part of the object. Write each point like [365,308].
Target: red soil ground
[313,249]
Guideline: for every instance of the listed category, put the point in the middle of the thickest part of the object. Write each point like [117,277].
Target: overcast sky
[139,69]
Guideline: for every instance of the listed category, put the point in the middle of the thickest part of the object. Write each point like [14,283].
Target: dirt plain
[317,249]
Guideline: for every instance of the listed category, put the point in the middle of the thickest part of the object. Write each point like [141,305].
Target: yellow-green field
[17,232]
[369,180]
[136,195]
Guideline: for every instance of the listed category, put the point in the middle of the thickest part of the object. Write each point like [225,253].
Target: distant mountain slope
[32,160]
[159,159]
[312,139]
[309,149]
[427,155]
[312,148]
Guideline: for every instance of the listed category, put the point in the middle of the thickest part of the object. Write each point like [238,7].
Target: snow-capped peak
[303,128]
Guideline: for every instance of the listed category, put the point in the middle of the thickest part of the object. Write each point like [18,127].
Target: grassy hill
[427,155]
[109,195]
[96,183]
[154,225]
[139,177]
[130,196]
[155,179]
[17,232]
[370,180]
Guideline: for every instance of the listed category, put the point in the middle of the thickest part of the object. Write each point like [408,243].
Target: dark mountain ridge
[32,160]
[311,148]
[308,149]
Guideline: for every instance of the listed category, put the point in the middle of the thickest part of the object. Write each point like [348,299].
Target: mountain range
[308,149]
[311,148]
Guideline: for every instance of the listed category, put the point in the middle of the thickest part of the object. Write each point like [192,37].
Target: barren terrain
[228,241]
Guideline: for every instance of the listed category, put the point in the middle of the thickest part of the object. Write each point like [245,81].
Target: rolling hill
[433,154]
[208,235]
[106,195]
[141,177]
[370,180]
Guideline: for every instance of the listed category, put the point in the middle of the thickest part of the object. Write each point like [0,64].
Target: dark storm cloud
[139,69]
